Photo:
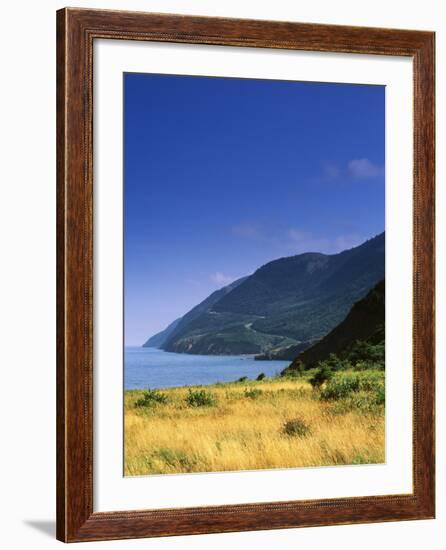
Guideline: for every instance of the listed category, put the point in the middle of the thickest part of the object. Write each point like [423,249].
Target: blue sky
[223,175]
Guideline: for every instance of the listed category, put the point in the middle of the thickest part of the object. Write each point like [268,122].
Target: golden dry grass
[247,433]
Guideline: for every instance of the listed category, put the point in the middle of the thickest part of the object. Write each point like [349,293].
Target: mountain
[364,324]
[288,303]
[158,339]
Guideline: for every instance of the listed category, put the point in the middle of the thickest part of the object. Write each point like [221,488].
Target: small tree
[322,375]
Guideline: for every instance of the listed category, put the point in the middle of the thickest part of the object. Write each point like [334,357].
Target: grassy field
[248,425]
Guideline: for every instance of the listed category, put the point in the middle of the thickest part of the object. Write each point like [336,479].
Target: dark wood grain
[76,31]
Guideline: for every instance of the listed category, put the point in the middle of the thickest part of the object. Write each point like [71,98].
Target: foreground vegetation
[319,417]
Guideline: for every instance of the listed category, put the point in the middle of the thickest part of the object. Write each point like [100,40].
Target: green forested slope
[288,302]
[360,335]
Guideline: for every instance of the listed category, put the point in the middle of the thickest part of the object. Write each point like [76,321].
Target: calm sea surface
[154,368]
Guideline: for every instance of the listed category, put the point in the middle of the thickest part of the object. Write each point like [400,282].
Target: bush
[253,393]
[200,398]
[345,384]
[296,427]
[381,395]
[365,352]
[151,398]
[299,368]
[322,375]
[261,376]
[361,402]
[341,386]
[291,373]
[367,365]
[335,363]
[242,379]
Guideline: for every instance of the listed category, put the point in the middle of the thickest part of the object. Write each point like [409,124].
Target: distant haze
[224,175]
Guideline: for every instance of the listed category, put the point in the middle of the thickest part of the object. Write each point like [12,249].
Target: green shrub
[322,375]
[346,384]
[368,365]
[151,398]
[340,386]
[335,363]
[253,393]
[365,352]
[242,379]
[201,398]
[261,376]
[364,403]
[291,373]
[296,427]
[381,395]
[299,368]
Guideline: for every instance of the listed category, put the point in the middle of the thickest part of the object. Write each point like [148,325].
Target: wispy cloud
[221,279]
[301,241]
[355,170]
[364,169]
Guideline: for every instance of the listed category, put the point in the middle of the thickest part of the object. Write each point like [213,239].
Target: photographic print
[245,275]
[254,274]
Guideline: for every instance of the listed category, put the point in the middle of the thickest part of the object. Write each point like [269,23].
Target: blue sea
[154,368]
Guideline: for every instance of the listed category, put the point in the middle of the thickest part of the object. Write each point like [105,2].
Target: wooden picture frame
[76,31]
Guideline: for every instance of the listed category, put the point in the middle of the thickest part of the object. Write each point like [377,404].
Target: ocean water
[154,368]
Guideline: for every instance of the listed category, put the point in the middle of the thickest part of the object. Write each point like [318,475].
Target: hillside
[287,353]
[159,339]
[287,303]
[363,326]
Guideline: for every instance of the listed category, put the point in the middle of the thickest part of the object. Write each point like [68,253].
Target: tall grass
[272,423]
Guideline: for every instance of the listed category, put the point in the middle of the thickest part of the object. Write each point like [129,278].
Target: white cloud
[302,241]
[364,169]
[221,279]
[354,170]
